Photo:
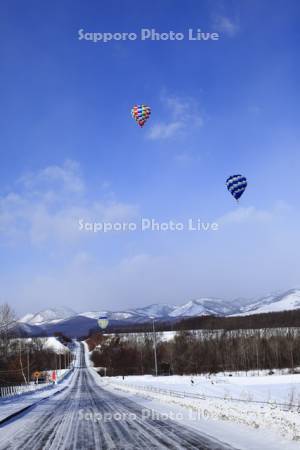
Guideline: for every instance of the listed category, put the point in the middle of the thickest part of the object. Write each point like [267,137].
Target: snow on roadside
[265,388]
[257,416]
[11,405]
[238,436]
[87,355]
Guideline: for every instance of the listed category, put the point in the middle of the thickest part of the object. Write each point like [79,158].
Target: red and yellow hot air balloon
[141,114]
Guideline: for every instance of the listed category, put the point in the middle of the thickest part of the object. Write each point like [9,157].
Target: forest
[191,352]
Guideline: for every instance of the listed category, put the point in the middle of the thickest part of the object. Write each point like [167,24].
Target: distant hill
[65,320]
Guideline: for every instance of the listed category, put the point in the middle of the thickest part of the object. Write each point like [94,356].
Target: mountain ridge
[64,318]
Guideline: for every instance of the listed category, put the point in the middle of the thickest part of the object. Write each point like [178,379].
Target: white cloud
[47,205]
[86,284]
[226,25]
[241,215]
[88,278]
[252,214]
[183,115]
[66,177]
[96,273]
[164,130]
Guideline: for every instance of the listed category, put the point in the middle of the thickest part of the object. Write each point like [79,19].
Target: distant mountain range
[73,324]
[52,315]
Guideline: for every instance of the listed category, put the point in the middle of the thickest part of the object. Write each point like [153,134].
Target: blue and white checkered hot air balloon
[103,322]
[236,184]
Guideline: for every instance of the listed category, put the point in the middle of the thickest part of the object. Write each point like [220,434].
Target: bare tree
[7,319]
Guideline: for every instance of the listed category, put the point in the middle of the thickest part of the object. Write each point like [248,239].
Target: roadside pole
[28,377]
[154,346]
[21,363]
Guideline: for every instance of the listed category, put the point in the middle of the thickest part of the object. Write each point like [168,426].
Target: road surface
[85,416]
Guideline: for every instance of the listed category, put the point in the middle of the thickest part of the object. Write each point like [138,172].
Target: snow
[156,310]
[110,315]
[70,419]
[287,302]
[241,437]
[84,416]
[51,315]
[121,315]
[203,306]
[259,402]
[27,318]
[166,336]
[90,314]
[11,405]
[269,388]
[161,336]
[51,343]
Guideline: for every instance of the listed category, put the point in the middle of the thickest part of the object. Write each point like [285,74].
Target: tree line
[191,352]
[211,322]
[20,357]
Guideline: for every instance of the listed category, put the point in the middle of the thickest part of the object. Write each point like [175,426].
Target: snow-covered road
[85,416]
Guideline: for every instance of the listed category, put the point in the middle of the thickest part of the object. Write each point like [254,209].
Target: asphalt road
[85,416]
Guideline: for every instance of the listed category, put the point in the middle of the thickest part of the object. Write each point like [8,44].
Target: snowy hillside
[91,314]
[47,316]
[27,318]
[202,307]
[72,324]
[156,310]
[287,301]
[51,343]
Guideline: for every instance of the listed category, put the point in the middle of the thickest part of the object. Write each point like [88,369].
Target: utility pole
[154,346]
[21,364]
[28,378]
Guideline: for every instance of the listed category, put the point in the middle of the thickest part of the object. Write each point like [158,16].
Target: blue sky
[69,149]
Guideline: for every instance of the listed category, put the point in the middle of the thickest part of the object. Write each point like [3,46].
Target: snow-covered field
[260,402]
[238,435]
[283,389]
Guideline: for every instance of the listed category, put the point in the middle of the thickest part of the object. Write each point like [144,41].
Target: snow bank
[209,403]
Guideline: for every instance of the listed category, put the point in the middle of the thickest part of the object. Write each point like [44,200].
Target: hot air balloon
[236,184]
[103,322]
[141,114]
